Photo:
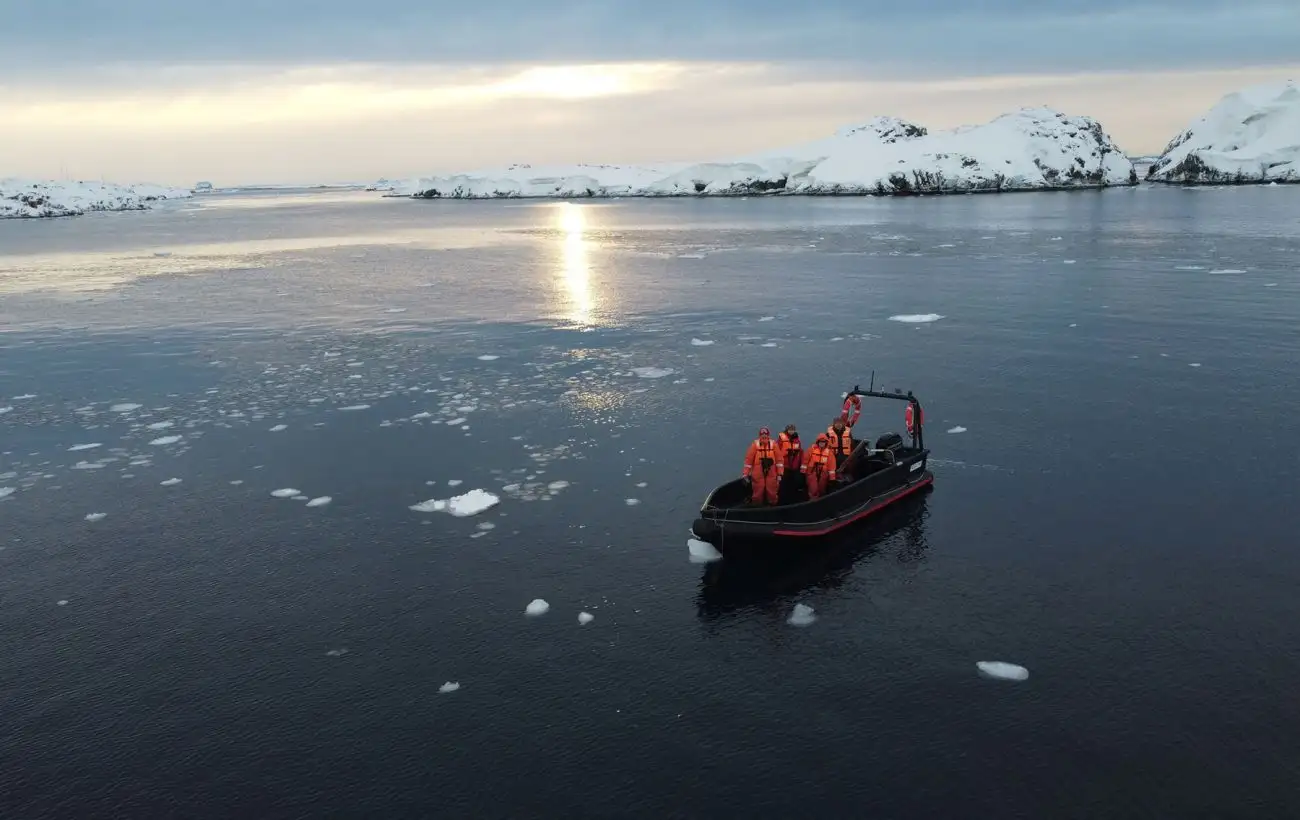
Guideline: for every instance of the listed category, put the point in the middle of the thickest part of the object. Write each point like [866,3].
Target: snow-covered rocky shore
[1251,136]
[25,198]
[1030,149]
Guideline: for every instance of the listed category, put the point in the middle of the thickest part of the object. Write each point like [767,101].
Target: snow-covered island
[1252,136]
[24,198]
[1030,149]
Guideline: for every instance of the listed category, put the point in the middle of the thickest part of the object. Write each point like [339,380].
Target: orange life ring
[852,410]
[913,410]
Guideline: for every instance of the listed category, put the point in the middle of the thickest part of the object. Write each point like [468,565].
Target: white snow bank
[1252,135]
[1002,671]
[25,198]
[537,607]
[1032,148]
[702,552]
[471,503]
[802,615]
[916,318]
[585,618]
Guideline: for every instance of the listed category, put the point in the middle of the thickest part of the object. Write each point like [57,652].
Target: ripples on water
[1115,516]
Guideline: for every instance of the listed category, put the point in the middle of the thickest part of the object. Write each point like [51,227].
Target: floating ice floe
[766,318]
[802,615]
[96,516]
[449,686]
[455,482]
[701,342]
[287,492]
[76,447]
[337,653]
[171,482]
[1221,271]
[5,492]
[632,502]
[537,607]
[88,465]
[556,486]
[471,503]
[159,425]
[916,318]
[4,410]
[279,427]
[585,618]
[652,372]
[166,440]
[702,552]
[61,602]
[957,429]
[320,501]
[126,407]
[353,407]
[1002,671]
[488,358]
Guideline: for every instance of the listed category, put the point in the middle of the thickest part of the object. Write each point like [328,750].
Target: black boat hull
[722,520]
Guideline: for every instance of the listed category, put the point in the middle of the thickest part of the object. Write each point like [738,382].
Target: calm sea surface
[1111,393]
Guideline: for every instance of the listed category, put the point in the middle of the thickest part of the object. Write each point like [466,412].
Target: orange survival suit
[841,444]
[763,468]
[819,467]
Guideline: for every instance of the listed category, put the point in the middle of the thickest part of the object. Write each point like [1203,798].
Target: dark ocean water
[1119,515]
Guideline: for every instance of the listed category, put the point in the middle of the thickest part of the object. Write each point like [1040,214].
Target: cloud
[919,37]
[338,123]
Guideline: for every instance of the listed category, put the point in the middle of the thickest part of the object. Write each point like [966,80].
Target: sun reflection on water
[576,270]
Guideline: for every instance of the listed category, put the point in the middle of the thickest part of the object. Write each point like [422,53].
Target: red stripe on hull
[917,486]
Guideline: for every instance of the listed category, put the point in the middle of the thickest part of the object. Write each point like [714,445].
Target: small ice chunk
[766,318]
[287,492]
[702,552]
[125,407]
[461,506]
[585,618]
[237,482]
[300,498]
[641,484]
[449,686]
[701,342]
[277,428]
[96,516]
[632,502]
[488,358]
[351,407]
[455,422]
[74,448]
[556,486]
[1220,271]
[915,318]
[320,501]
[171,482]
[165,440]
[5,492]
[61,602]
[652,372]
[769,344]
[957,429]
[337,653]
[802,615]
[455,482]
[159,425]
[87,465]
[1002,671]
[395,310]
[537,607]
[1067,261]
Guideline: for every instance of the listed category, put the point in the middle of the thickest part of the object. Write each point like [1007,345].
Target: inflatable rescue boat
[881,472]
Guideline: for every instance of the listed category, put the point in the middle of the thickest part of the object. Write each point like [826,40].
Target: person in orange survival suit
[819,466]
[840,439]
[789,451]
[763,469]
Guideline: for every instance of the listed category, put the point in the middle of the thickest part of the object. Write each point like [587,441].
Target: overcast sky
[243,91]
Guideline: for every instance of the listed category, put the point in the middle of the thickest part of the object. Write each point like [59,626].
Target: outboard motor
[890,441]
